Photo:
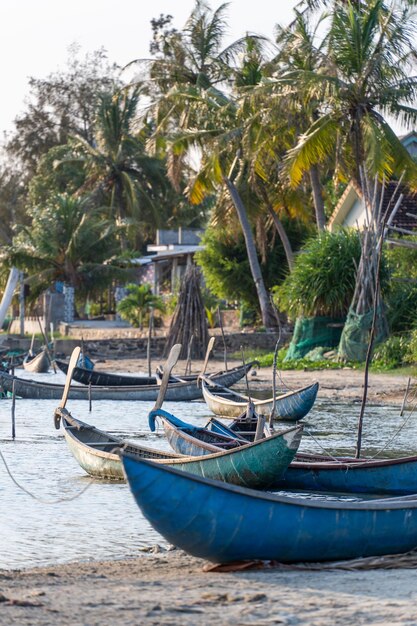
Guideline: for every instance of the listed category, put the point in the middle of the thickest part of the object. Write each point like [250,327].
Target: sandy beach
[342,384]
[170,587]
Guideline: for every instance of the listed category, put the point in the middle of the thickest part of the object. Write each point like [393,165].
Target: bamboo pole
[223,337]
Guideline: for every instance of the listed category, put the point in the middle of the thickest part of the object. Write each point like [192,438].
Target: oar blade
[72,365]
[168,367]
[208,351]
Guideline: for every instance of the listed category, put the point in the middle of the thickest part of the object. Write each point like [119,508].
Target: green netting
[354,341]
[313,332]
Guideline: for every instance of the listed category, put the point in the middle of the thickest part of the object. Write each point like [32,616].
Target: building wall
[356,215]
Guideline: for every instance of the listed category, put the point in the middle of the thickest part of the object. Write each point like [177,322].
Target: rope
[387,444]
[35,497]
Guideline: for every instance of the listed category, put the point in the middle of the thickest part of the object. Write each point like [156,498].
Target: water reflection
[105,522]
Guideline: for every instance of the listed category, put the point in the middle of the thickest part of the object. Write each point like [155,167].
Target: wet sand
[170,587]
[342,384]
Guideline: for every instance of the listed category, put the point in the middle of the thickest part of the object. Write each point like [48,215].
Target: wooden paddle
[169,365]
[71,366]
[209,349]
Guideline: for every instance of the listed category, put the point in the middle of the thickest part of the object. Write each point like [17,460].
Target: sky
[36,34]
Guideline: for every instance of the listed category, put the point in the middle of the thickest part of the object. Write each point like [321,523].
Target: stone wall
[136,347]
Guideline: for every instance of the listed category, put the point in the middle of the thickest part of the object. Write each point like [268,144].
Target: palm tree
[370,49]
[119,171]
[189,80]
[138,302]
[70,243]
[298,52]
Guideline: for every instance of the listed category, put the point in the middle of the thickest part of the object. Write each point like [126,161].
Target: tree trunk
[283,236]
[267,312]
[317,198]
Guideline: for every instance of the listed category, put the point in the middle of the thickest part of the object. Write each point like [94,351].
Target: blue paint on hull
[223,523]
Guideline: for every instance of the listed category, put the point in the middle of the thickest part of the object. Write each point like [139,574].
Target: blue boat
[224,523]
[192,440]
[382,476]
[307,472]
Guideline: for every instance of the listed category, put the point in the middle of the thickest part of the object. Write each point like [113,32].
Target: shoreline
[338,385]
[172,588]
[166,587]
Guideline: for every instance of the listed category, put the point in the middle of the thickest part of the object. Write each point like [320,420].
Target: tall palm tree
[189,79]
[370,51]
[119,171]
[298,52]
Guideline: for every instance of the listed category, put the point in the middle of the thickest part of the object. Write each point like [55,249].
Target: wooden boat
[96,378]
[107,379]
[38,363]
[179,391]
[255,464]
[291,406]
[223,523]
[316,472]
[186,438]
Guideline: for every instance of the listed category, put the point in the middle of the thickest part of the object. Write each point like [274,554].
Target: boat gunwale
[180,458]
[118,443]
[116,388]
[255,402]
[399,502]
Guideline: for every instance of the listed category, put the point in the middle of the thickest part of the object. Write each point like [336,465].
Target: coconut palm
[370,50]
[119,171]
[138,303]
[192,101]
[70,243]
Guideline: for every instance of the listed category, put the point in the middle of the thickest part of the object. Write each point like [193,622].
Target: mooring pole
[14,409]
[223,337]
[148,347]
[90,402]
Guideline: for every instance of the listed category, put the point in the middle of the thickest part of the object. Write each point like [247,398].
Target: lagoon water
[104,521]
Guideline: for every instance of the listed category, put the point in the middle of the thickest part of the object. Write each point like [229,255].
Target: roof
[401,219]
[175,251]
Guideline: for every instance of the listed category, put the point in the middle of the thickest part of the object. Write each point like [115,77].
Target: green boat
[256,465]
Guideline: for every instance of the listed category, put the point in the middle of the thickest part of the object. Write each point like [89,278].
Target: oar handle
[168,367]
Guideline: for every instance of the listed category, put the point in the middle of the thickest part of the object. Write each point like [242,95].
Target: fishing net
[313,332]
[354,340]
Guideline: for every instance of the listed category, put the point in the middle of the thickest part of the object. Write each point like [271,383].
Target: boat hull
[223,523]
[175,391]
[38,364]
[291,406]
[256,465]
[383,476]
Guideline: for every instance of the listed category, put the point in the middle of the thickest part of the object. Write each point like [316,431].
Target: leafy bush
[226,269]
[394,352]
[401,298]
[323,279]
[135,307]
[411,356]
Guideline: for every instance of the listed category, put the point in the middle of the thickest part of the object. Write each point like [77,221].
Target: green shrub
[401,297]
[411,356]
[392,353]
[135,307]
[323,279]
[225,265]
